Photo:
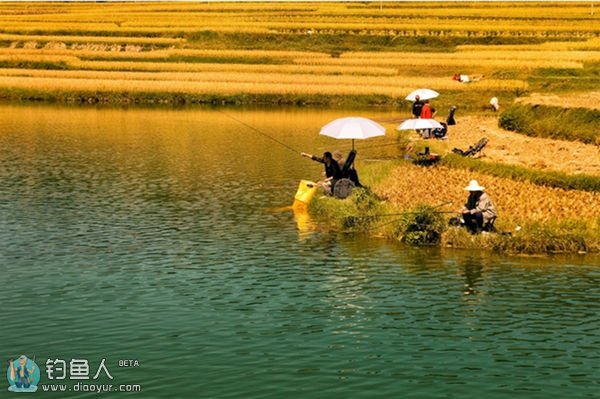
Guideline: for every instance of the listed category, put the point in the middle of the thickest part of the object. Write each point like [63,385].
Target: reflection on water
[304,223]
[472,273]
[159,235]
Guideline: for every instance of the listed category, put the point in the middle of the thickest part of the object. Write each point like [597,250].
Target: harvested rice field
[301,53]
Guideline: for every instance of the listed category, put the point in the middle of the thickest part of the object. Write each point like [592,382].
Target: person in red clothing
[426,112]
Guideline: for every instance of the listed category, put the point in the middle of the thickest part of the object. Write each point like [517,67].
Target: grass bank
[554,179]
[571,237]
[400,208]
[145,94]
[554,122]
[182,98]
[425,225]
[560,80]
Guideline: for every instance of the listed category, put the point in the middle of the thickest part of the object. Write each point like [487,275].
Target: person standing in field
[427,112]
[494,104]
[450,121]
[417,106]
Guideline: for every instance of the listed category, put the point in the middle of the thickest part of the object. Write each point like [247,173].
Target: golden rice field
[398,19]
[409,185]
[289,49]
[473,60]
[15,38]
[260,82]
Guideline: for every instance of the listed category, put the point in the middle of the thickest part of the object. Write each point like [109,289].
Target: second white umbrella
[415,124]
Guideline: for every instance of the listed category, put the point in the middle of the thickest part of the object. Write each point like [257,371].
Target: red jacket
[426,112]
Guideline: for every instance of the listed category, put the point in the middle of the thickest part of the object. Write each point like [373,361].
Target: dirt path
[513,148]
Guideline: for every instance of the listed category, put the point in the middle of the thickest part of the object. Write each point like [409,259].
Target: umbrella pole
[352,144]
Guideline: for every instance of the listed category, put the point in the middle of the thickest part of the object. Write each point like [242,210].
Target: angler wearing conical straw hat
[479,212]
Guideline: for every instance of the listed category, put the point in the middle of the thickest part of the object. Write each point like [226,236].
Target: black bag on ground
[440,132]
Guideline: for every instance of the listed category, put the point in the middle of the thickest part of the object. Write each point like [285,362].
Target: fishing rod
[282,143]
[259,132]
[295,151]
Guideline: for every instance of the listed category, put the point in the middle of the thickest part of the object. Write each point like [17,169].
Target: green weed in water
[423,226]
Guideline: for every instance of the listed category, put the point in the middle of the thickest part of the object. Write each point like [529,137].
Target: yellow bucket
[306,192]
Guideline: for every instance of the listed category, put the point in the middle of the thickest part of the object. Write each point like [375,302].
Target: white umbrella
[424,94]
[415,124]
[352,128]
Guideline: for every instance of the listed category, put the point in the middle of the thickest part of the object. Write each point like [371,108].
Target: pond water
[158,236]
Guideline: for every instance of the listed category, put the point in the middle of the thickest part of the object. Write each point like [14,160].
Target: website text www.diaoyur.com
[97,388]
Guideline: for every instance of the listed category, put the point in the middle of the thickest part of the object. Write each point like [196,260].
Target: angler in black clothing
[333,172]
[348,170]
[450,119]
[417,106]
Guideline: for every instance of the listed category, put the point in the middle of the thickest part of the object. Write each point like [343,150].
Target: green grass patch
[574,236]
[575,124]
[565,79]
[34,65]
[182,98]
[190,59]
[421,226]
[357,213]
[376,172]
[520,173]
[337,43]
[363,212]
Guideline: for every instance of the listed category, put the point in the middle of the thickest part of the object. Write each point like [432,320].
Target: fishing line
[284,144]
[380,224]
[380,145]
[390,120]
[401,214]
[388,222]
[259,132]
